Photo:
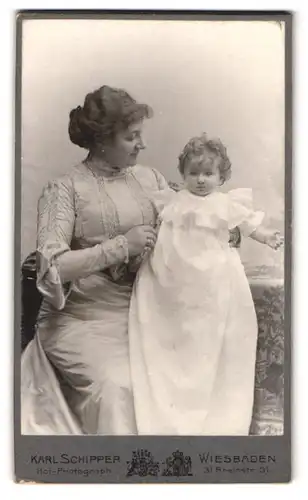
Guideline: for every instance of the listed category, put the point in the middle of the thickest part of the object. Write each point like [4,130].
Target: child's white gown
[192,327]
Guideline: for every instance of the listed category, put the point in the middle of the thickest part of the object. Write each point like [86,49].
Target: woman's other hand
[235,238]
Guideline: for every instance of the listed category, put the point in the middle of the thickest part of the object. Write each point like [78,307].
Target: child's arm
[268,237]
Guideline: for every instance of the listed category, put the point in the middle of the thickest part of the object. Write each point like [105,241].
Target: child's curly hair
[198,146]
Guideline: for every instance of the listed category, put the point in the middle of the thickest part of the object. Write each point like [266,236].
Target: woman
[92,222]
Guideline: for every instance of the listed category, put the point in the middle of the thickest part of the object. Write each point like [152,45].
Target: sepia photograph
[152,227]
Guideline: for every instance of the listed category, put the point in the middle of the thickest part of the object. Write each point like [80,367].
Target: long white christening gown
[192,325]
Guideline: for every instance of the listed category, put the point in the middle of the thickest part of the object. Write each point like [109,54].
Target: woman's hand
[139,238]
[235,238]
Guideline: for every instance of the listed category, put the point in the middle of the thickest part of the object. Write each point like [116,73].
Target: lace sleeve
[57,265]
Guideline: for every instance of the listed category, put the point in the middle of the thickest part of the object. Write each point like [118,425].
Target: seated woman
[94,220]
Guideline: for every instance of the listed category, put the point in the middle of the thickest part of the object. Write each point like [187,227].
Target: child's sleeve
[241,212]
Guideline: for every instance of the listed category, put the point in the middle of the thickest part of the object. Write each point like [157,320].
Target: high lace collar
[103,169]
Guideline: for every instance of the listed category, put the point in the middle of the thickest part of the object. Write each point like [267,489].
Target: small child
[192,327]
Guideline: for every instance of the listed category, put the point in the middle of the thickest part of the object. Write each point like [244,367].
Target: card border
[24,446]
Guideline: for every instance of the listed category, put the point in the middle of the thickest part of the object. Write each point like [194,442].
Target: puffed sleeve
[57,265]
[241,212]
[162,193]
[162,184]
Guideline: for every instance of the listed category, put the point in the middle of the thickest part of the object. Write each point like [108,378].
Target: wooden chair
[30,299]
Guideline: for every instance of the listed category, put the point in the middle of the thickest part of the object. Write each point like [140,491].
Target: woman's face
[123,150]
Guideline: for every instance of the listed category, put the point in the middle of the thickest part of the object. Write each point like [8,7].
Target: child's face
[202,176]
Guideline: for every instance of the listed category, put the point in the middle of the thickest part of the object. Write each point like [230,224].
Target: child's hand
[275,240]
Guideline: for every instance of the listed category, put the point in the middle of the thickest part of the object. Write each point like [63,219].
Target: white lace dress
[192,327]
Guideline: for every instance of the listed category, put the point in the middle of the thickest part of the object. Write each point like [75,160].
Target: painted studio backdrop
[224,78]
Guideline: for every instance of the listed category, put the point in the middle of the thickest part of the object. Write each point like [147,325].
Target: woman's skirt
[75,373]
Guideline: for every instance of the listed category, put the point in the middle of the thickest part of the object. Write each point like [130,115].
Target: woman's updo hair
[197,147]
[105,111]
